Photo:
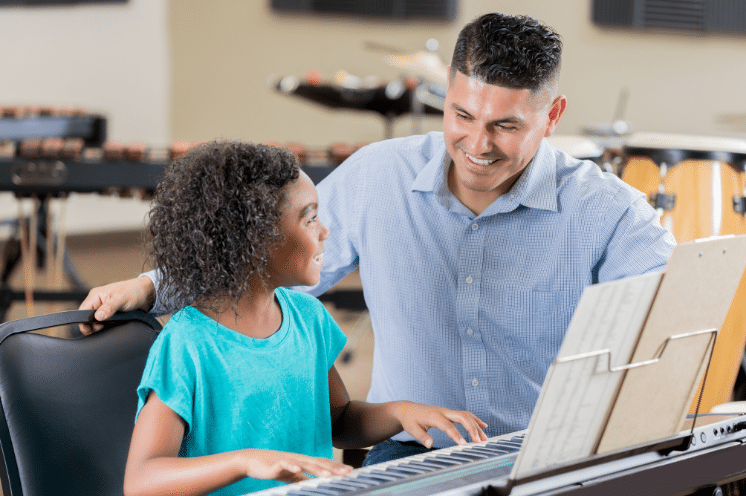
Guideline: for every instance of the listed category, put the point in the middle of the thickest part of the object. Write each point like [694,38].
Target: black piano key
[376,479]
[483,450]
[348,484]
[436,460]
[334,490]
[429,466]
[404,471]
[387,475]
[313,491]
[453,459]
[504,445]
[469,457]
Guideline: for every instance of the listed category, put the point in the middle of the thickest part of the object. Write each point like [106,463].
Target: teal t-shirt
[236,392]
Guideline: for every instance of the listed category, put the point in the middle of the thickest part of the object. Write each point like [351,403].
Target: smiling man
[474,244]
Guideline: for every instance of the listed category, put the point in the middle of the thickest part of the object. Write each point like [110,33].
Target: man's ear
[555,114]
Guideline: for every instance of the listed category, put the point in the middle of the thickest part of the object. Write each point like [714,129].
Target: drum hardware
[662,202]
[739,204]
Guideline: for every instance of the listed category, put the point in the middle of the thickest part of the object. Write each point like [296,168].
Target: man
[473,245]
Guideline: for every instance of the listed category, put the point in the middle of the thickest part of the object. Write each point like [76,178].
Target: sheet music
[577,395]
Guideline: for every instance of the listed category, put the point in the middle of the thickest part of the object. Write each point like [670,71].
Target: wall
[224,53]
[108,59]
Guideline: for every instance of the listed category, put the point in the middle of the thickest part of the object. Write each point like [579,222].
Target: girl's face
[298,260]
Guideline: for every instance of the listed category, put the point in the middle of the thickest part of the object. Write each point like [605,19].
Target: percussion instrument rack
[390,100]
[49,168]
[90,128]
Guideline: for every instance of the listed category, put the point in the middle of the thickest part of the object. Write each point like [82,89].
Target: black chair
[67,406]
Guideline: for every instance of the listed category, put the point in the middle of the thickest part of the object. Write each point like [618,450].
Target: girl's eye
[312,219]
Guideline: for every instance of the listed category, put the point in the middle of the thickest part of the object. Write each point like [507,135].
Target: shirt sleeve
[637,244]
[170,374]
[160,307]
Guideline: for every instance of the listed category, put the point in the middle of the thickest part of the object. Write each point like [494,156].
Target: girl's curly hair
[215,219]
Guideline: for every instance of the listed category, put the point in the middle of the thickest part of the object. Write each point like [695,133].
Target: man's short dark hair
[512,51]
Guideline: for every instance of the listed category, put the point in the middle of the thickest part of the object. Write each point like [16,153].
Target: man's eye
[313,219]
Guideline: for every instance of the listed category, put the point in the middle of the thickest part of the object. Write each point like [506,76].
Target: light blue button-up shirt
[469,311]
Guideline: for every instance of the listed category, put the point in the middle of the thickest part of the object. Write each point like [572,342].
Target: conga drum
[697,186]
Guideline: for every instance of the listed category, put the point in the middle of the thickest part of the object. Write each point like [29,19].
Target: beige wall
[223,54]
[162,70]
[109,59]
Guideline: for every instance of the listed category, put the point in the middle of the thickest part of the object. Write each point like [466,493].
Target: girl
[240,391]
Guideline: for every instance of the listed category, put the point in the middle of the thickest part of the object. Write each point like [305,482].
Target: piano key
[318,491]
[447,460]
[347,483]
[485,451]
[430,466]
[387,475]
[336,488]
[463,457]
[373,478]
[407,472]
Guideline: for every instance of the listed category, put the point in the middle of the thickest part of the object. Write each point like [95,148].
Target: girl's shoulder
[298,299]
[184,324]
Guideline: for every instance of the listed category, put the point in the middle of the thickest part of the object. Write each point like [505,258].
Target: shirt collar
[536,188]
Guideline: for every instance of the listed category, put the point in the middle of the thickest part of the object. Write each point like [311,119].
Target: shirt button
[469,280]
[474,382]
[470,331]
[474,226]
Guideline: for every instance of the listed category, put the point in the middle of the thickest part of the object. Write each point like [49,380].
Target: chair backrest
[67,406]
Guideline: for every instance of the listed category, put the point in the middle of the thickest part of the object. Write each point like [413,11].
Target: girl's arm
[358,424]
[153,466]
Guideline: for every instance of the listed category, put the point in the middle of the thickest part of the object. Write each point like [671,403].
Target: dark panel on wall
[714,16]
[444,10]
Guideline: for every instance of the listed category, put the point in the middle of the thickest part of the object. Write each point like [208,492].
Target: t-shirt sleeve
[170,374]
[334,338]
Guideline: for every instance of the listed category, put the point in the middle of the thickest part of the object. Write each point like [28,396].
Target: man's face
[491,134]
